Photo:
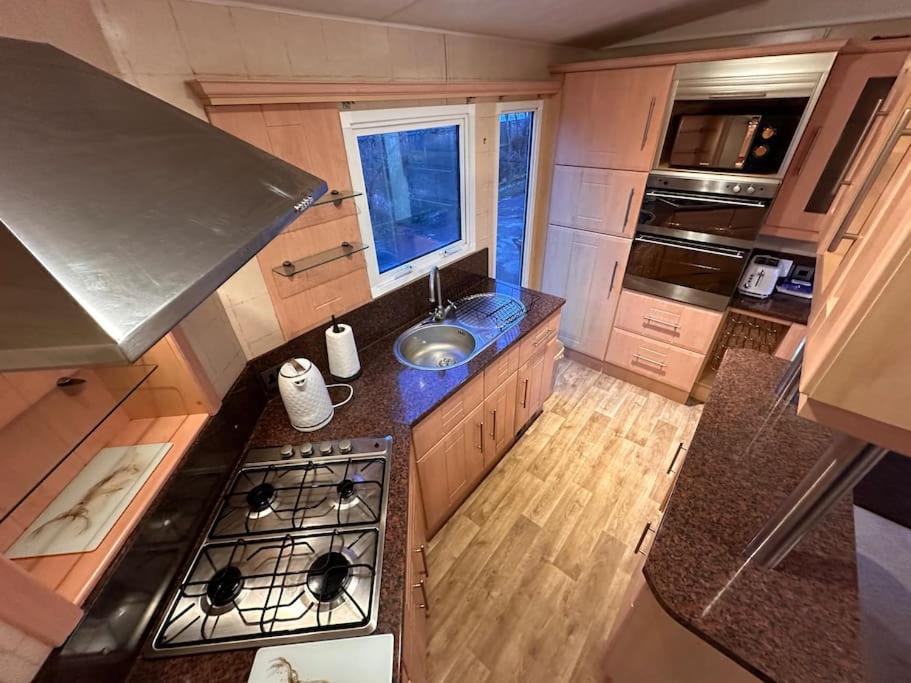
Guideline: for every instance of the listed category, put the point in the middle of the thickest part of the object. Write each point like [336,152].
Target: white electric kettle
[306,396]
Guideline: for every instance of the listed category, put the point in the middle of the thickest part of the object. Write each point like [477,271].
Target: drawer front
[500,370]
[445,418]
[538,338]
[665,363]
[689,327]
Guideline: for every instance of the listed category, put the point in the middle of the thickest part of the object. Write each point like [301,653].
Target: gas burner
[345,489]
[260,498]
[328,576]
[223,589]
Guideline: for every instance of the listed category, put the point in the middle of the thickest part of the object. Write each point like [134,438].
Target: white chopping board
[367,659]
[79,518]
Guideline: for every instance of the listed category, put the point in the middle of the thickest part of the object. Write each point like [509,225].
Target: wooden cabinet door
[612,118]
[499,422]
[586,269]
[849,109]
[596,199]
[414,646]
[528,389]
[550,366]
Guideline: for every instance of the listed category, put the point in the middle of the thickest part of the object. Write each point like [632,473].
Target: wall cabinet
[586,269]
[848,111]
[597,199]
[613,118]
[414,645]
[857,371]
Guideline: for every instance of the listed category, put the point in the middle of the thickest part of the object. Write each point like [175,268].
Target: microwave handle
[730,253]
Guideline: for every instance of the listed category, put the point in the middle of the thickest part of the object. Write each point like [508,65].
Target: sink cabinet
[414,645]
[535,375]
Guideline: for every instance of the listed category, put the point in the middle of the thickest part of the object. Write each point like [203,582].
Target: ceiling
[600,23]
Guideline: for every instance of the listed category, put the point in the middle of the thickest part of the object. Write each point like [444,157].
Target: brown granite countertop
[388,398]
[782,306]
[798,622]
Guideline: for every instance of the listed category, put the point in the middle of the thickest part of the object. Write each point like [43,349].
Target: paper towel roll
[343,361]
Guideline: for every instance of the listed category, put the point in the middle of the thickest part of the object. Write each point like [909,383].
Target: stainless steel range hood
[119,213]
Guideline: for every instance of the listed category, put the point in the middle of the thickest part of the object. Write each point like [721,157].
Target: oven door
[724,216]
[695,272]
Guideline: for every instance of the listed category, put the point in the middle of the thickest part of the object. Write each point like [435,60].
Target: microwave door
[713,141]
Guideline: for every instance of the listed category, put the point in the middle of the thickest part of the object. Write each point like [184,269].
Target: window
[517,150]
[415,171]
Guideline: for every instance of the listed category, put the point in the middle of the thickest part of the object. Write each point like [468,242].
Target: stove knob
[736,188]
[325,448]
[344,446]
[287,452]
[750,189]
[306,449]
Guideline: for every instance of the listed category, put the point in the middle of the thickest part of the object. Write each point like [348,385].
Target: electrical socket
[269,378]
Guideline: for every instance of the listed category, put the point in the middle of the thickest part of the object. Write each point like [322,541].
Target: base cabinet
[414,645]
[500,421]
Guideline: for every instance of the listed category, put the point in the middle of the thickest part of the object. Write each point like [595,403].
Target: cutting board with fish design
[79,518]
[366,659]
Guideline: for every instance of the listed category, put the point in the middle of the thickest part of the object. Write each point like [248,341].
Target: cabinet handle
[629,204]
[423,606]
[646,359]
[525,395]
[648,527]
[420,551]
[480,436]
[613,276]
[543,337]
[648,122]
[814,136]
[859,143]
[878,165]
[670,468]
[493,425]
[659,321]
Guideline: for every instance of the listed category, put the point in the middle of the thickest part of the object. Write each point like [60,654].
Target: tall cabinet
[610,124]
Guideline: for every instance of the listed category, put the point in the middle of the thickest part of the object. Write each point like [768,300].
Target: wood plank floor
[528,575]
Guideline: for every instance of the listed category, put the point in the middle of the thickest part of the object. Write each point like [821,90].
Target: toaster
[762,274]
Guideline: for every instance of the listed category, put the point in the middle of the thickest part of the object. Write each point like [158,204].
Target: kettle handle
[350,393]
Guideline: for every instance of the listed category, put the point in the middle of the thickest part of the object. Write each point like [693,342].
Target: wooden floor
[528,575]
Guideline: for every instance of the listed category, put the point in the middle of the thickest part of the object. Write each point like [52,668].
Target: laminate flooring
[527,577]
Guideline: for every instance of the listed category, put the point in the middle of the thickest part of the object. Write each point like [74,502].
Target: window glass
[413,192]
[512,193]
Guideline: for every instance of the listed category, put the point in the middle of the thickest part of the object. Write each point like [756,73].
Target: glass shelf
[292,268]
[336,197]
[49,414]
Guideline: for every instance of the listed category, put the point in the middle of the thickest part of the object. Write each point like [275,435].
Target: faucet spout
[441,310]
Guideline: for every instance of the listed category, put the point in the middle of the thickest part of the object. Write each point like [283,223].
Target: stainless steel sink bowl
[435,346]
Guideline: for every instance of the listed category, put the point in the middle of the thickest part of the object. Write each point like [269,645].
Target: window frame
[537,108]
[356,123]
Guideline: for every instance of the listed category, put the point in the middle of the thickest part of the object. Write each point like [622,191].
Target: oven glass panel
[708,268]
[726,216]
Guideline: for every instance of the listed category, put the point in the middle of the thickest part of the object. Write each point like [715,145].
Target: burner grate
[490,311]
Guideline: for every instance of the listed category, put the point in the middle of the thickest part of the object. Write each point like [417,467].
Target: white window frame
[537,108]
[373,121]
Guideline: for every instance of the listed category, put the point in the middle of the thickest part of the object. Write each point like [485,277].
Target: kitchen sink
[435,346]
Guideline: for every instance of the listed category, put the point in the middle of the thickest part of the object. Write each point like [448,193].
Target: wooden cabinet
[445,418]
[586,269]
[688,327]
[499,422]
[667,364]
[529,385]
[849,109]
[414,645]
[596,199]
[857,371]
[613,118]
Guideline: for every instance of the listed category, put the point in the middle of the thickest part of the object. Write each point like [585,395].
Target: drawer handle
[493,425]
[648,528]
[480,445]
[543,337]
[423,606]
[646,359]
[658,321]
[420,551]
[680,447]
[525,395]
[629,204]
[648,122]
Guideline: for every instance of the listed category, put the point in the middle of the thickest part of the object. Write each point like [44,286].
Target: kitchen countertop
[388,399]
[783,306]
[798,622]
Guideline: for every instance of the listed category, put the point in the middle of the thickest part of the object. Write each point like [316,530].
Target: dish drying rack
[490,311]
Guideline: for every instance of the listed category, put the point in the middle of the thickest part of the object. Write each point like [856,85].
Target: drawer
[441,421]
[662,362]
[538,338]
[500,370]
[689,327]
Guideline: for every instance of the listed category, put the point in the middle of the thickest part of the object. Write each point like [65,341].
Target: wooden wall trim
[702,56]
[232,91]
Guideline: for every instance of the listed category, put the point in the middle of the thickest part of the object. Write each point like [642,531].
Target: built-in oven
[694,237]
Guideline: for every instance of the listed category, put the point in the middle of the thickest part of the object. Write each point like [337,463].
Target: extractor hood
[119,213]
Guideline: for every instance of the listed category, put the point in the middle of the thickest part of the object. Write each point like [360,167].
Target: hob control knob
[306,449]
[325,448]
[736,188]
[750,189]
[344,446]
[287,451]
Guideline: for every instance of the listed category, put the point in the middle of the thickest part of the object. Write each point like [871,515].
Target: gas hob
[294,552]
